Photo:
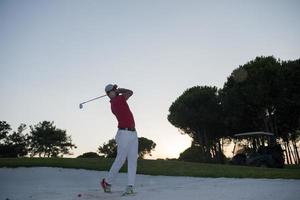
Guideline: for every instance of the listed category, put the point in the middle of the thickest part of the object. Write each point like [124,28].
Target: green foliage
[160,167]
[262,95]
[196,154]
[198,113]
[267,99]
[4,129]
[195,110]
[192,154]
[288,107]
[45,139]
[89,155]
[12,145]
[109,149]
[145,147]
[246,103]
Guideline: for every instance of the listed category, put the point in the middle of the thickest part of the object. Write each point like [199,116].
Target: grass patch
[159,167]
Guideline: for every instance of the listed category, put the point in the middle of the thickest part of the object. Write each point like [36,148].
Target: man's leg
[132,159]
[122,142]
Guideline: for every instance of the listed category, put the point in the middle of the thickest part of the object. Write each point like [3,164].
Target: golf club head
[80,106]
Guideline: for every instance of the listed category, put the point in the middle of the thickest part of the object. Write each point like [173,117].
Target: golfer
[126,138]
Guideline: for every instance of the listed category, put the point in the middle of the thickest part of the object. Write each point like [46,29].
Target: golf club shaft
[93,99]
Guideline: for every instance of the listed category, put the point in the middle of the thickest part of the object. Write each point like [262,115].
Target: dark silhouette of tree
[261,95]
[14,144]
[48,141]
[266,98]
[287,118]
[109,149]
[249,100]
[4,129]
[198,113]
[145,147]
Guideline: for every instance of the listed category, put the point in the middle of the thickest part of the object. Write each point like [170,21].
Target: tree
[145,147]
[198,113]
[109,149]
[263,95]
[47,140]
[249,100]
[12,145]
[288,110]
[4,129]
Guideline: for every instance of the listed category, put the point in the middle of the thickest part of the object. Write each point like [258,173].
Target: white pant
[127,142]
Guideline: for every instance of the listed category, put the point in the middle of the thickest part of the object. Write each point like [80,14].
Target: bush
[90,155]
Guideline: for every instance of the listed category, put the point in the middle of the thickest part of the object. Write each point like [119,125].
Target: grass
[159,167]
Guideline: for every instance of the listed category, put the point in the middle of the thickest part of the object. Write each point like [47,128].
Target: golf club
[81,104]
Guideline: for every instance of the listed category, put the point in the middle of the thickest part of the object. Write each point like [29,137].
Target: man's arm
[125,92]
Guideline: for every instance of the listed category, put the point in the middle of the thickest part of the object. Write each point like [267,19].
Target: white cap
[110,87]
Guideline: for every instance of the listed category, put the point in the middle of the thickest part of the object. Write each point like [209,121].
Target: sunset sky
[56,54]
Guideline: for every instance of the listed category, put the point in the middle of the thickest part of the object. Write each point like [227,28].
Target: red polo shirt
[120,109]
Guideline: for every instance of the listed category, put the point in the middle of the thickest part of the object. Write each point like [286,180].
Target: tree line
[46,140]
[43,140]
[261,95]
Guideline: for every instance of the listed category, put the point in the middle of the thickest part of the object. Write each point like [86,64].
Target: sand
[45,183]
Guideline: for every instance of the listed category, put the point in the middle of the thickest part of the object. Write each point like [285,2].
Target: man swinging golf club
[126,138]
